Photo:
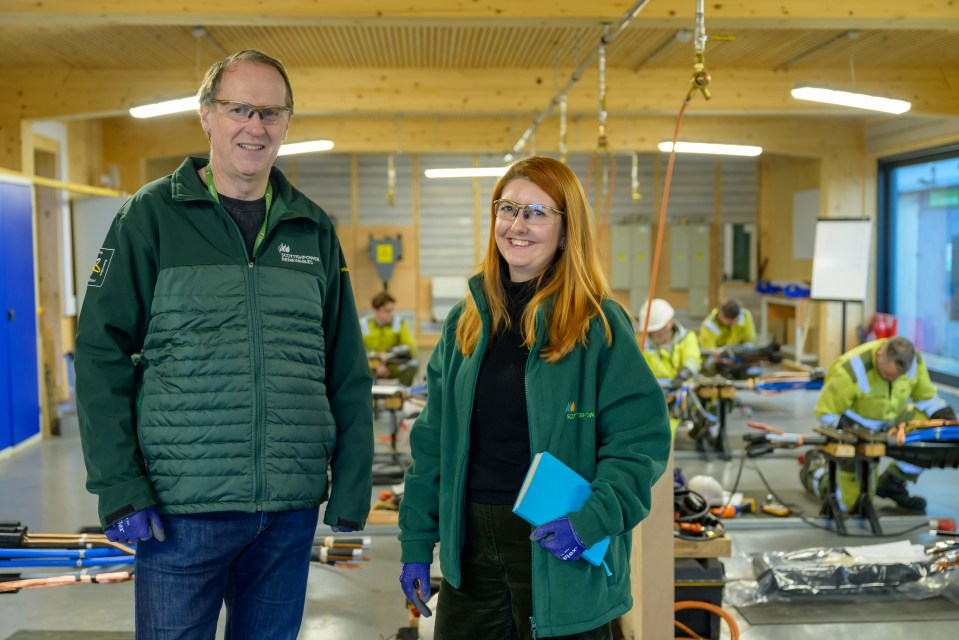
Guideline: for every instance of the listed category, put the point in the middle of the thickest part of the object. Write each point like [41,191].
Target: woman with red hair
[537,357]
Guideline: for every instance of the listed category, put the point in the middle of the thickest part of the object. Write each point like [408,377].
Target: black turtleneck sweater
[499,431]
[248,216]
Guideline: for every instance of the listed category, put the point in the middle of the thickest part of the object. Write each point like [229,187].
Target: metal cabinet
[19,381]
[631,260]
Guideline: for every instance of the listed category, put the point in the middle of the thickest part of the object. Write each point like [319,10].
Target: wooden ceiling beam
[127,142]
[768,14]
[66,94]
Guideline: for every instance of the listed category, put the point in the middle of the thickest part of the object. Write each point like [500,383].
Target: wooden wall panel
[781,177]
[366,280]
[85,152]
[10,144]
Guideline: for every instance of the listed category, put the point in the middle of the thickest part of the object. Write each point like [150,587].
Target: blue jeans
[255,562]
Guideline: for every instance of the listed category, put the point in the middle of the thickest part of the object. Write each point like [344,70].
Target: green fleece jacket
[599,410]
[207,381]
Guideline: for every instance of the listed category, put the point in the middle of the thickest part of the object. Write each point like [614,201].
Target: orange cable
[722,613]
[662,225]
[685,629]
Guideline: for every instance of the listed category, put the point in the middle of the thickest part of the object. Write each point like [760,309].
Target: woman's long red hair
[575,278]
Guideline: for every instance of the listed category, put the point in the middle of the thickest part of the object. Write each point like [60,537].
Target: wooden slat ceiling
[107,47]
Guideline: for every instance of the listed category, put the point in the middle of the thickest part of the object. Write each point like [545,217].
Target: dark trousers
[494,601]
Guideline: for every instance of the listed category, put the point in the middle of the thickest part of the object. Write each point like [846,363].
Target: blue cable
[60,553]
[783,386]
[94,562]
[933,435]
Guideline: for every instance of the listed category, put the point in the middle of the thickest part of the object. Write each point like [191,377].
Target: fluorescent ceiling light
[713,149]
[849,99]
[466,172]
[305,147]
[165,108]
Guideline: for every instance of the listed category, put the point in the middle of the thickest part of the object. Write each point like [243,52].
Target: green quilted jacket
[210,382]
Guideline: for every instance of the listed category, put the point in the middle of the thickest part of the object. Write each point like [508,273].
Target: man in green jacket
[221,376]
[874,386]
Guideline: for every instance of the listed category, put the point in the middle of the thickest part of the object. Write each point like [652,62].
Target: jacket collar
[288,203]
[482,305]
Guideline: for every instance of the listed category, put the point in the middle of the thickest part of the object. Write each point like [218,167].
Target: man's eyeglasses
[532,213]
[241,111]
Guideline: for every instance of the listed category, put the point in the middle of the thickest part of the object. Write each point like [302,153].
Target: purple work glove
[559,538]
[416,575]
[142,525]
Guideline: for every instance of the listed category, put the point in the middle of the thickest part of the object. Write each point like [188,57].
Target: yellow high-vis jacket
[667,359]
[382,339]
[854,387]
[714,334]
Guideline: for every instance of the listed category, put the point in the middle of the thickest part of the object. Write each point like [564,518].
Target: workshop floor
[42,486]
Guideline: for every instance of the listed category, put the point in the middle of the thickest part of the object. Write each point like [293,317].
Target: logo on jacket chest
[287,256]
[573,414]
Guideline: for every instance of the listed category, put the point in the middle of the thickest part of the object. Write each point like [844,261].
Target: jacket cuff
[416,552]
[136,494]
[587,527]
[334,520]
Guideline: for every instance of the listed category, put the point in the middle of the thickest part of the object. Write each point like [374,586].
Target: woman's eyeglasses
[532,213]
[241,111]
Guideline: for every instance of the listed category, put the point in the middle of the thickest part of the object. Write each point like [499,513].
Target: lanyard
[266,217]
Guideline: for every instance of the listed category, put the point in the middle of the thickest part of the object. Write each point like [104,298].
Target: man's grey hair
[900,351]
[211,82]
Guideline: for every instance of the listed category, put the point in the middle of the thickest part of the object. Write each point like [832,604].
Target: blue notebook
[552,490]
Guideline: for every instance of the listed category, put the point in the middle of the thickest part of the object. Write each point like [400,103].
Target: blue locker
[19,381]
[6,423]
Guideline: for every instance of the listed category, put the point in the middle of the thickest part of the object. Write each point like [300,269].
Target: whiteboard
[840,264]
[92,218]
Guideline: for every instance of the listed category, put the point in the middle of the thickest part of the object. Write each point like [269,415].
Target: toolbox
[700,579]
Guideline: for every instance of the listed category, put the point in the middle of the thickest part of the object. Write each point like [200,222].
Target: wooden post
[651,566]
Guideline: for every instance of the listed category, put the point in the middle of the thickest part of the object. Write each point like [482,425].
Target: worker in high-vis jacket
[389,341]
[875,386]
[726,326]
[671,351]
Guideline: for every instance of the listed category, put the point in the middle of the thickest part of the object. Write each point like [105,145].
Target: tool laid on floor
[96,559]
[747,505]
[774,507]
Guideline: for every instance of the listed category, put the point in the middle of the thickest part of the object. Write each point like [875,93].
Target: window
[919,253]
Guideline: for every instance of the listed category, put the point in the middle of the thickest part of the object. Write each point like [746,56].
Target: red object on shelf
[882,325]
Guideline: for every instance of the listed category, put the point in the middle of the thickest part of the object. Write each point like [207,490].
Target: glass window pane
[924,279]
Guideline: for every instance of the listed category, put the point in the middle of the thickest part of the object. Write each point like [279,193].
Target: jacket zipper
[259,395]
[259,399]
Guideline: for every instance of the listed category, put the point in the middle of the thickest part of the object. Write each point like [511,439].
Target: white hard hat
[660,313]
